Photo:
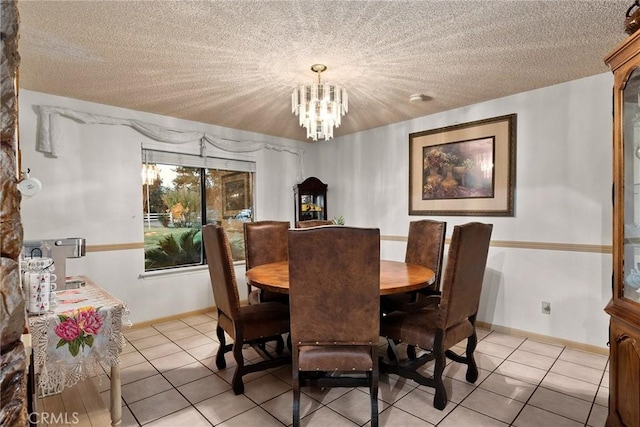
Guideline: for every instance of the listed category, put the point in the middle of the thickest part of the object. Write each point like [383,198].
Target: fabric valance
[49,140]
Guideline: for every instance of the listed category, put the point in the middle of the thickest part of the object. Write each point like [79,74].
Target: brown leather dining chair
[265,242]
[313,223]
[437,329]
[425,246]
[249,324]
[334,291]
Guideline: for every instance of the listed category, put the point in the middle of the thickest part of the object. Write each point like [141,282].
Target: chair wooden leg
[392,352]
[411,352]
[261,349]
[279,345]
[440,399]
[373,394]
[296,398]
[236,383]
[221,363]
[472,368]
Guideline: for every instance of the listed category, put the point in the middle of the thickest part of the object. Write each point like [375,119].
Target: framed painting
[466,169]
[235,193]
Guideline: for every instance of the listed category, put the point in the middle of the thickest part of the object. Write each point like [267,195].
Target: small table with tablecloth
[73,339]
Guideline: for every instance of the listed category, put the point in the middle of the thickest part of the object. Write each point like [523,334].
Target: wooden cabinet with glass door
[624,307]
[310,200]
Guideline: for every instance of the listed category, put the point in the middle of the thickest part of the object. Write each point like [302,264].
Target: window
[183,192]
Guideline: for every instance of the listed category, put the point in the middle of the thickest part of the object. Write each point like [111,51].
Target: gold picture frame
[464,170]
[235,193]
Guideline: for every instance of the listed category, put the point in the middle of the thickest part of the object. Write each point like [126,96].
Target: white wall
[93,190]
[563,195]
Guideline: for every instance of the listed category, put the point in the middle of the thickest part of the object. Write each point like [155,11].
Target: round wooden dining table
[395,277]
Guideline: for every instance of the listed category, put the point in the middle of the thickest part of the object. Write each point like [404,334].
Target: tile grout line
[166,379]
[537,385]
[593,403]
[477,386]
[390,404]
[212,372]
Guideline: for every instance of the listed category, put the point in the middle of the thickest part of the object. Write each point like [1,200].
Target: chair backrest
[334,284]
[463,276]
[425,246]
[265,242]
[221,272]
[313,223]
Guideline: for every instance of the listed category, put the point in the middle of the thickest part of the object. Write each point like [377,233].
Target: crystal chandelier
[319,106]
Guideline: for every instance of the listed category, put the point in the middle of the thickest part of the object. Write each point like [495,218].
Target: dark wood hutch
[310,200]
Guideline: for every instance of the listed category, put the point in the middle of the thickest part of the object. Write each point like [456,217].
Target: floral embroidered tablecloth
[73,340]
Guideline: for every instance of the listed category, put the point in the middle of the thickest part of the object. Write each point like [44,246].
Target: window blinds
[190,160]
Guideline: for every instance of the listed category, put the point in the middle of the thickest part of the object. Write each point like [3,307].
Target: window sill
[172,272]
[182,271]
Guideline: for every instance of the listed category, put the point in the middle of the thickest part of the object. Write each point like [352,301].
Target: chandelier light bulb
[319,106]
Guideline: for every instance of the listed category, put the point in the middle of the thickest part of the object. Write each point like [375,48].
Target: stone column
[13,361]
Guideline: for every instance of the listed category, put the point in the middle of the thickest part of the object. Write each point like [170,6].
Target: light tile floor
[169,378]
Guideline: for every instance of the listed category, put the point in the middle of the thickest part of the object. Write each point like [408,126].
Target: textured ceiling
[234,63]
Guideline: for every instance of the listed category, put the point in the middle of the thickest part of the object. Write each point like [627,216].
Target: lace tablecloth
[83,332]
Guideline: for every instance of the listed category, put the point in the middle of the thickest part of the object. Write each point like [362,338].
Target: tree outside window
[176,208]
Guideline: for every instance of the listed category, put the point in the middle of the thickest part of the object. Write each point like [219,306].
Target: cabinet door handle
[623,337]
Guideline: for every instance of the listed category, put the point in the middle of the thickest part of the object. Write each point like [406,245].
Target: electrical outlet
[546,307]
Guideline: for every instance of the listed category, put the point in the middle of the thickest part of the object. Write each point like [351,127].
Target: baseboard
[544,338]
[179,316]
[139,325]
